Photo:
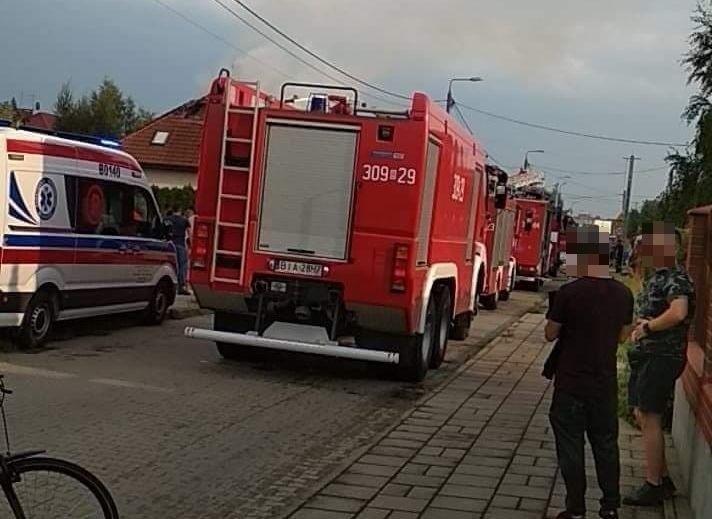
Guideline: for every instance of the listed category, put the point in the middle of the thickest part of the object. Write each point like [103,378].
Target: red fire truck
[336,230]
[533,245]
[499,239]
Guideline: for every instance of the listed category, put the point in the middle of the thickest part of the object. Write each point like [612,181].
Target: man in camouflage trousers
[665,307]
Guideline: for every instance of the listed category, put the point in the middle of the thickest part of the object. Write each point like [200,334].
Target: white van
[81,234]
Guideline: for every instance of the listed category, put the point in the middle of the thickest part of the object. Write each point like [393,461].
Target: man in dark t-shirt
[589,316]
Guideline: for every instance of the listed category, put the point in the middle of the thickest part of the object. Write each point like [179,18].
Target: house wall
[692,420]
[170,178]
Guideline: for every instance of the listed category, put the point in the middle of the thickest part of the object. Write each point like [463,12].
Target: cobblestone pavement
[176,432]
[480,447]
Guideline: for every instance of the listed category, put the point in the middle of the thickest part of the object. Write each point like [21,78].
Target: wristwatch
[646,328]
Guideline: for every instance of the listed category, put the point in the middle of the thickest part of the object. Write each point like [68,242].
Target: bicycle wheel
[49,488]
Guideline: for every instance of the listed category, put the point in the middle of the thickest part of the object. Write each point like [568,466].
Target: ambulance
[82,235]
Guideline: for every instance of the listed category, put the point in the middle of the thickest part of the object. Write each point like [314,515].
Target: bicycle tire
[81,475]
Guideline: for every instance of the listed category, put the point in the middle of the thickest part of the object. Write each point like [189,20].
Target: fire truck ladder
[235,182]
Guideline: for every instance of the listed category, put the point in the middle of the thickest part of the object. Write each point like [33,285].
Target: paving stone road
[176,432]
[479,448]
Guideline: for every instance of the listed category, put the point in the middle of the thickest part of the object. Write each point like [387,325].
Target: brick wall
[697,379]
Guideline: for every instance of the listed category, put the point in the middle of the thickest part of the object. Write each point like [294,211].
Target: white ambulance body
[81,235]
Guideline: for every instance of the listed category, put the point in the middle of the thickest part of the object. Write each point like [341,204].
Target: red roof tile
[42,120]
[184,127]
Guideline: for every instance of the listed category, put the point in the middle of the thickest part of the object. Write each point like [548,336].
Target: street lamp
[558,187]
[450,100]
[526,158]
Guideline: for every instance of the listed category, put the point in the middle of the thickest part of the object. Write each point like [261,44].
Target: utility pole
[629,186]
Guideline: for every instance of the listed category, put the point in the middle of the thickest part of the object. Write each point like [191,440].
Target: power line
[570,132]
[577,172]
[289,51]
[316,56]
[462,118]
[220,38]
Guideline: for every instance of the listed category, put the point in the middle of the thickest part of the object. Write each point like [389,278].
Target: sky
[606,67]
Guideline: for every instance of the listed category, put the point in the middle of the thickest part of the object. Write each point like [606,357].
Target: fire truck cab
[336,230]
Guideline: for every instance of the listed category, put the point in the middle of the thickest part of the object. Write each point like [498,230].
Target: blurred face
[587,250]
[658,245]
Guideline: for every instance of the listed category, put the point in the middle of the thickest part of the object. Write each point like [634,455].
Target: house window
[159,138]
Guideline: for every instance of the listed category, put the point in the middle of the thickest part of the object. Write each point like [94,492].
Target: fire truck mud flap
[274,338]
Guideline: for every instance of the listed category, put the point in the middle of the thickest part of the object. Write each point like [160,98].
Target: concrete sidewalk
[479,447]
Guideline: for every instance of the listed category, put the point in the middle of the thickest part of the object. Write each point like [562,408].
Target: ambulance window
[70,187]
[144,215]
[101,207]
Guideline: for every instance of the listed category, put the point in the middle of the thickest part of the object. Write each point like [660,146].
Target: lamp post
[557,189]
[450,100]
[526,158]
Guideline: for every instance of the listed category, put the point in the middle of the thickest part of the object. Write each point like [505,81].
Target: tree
[690,180]
[105,111]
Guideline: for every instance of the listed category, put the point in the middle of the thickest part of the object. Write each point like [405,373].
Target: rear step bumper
[330,350]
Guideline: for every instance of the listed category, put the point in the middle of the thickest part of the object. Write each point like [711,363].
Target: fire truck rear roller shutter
[308,189]
[426,209]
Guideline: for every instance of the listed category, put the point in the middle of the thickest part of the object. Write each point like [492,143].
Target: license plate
[298,267]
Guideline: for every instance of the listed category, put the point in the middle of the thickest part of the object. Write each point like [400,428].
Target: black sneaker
[645,495]
[608,514]
[669,488]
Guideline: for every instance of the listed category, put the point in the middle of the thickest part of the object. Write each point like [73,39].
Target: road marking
[132,385]
[14,369]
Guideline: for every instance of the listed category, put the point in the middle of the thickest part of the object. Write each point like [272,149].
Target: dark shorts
[652,382]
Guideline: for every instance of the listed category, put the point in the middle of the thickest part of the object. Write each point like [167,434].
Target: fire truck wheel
[415,356]
[444,318]
[461,327]
[489,301]
[228,322]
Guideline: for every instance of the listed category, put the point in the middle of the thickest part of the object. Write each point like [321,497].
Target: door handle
[123,249]
[136,249]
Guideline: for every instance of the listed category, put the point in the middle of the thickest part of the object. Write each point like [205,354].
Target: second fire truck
[335,229]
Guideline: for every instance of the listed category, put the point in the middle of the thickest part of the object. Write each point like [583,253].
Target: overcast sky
[608,67]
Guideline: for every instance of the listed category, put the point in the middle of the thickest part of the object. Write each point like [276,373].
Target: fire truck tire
[504,294]
[442,331]
[461,327]
[489,301]
[415,356]
[227,322]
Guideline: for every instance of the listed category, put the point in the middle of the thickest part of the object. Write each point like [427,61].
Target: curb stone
[479,348]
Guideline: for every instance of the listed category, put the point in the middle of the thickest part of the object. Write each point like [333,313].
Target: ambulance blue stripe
[81,242]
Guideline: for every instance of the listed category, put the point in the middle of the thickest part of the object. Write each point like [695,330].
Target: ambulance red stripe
[71,152]
[11,256]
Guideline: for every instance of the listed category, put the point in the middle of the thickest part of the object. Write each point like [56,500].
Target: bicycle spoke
[52,495]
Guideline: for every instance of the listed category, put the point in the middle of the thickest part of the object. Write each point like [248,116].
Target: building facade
[168,147]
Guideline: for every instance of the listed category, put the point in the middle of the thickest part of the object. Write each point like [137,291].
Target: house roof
[172,140]
[42,120]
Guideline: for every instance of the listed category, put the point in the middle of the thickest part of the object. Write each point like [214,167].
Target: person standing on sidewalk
[589,317]
[178,226]
[665,308]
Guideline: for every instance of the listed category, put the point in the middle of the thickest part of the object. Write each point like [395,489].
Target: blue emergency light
[89,139]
